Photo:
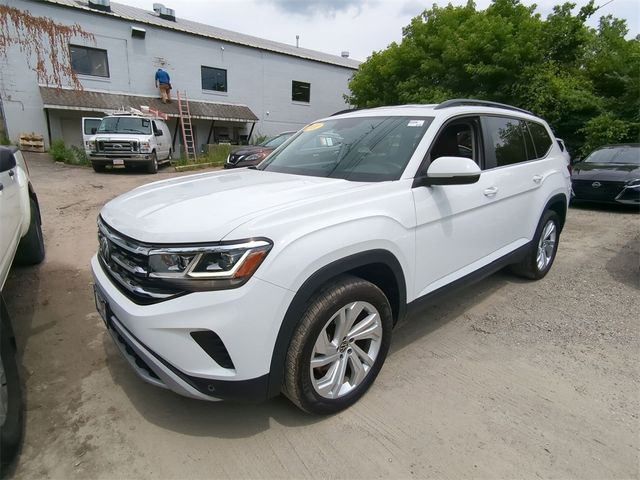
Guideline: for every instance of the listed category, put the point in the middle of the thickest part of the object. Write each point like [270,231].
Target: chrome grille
[126,262]
[233,159]
[114,146]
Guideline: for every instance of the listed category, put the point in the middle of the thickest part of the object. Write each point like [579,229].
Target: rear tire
[346,331]
[98,168]
[11,402]
[31,249]
[539,259]
[152,166]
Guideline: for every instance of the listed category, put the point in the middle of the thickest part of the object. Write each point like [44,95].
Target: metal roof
[139,15]
[92,101]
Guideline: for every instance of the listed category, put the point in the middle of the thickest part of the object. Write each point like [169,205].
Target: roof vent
[102,5]
[344,54]
[164,12]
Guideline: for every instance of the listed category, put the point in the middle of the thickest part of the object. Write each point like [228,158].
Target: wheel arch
[558,204]
[379,267]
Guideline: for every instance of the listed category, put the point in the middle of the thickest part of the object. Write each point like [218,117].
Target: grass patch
[216,156]
[70,155]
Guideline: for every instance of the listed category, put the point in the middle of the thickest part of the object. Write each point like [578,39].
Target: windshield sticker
[415,123]
[145,123]
[312,127]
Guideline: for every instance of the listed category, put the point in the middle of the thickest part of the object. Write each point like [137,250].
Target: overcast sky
[331,26]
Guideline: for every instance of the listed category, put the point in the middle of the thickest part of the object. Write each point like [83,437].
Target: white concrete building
[238,85]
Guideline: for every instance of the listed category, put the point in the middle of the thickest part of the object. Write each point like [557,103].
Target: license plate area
[118,162]
[101,305]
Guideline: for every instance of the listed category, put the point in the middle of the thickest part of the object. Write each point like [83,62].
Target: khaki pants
[165,92]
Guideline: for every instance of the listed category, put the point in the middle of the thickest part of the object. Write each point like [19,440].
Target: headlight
[210,267]
[145,147]
[91,145]
[255,156]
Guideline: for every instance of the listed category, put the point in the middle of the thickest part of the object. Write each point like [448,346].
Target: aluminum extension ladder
[185,122]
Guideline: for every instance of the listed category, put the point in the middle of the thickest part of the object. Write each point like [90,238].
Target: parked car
[254,154]
[130,140]
[21,242]
[295,283]
[610,174]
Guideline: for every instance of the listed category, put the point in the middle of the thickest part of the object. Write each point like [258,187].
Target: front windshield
[368,149]
[133,125]
[276,141]
[624,155]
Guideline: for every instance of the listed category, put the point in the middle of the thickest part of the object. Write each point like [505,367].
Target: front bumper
[107,159]
[156,339]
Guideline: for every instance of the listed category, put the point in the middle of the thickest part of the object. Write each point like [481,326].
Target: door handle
[1,187]
[491,192]
[537,178]
[11,173]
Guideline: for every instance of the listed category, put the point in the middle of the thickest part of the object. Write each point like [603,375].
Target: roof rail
[459,102]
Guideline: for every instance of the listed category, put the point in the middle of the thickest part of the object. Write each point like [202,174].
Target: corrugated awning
[88,100]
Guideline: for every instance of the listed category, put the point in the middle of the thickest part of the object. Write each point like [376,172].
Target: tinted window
[360,149]
[626,154]
[214,79]
[89,61]
[456,140]
[300,91]
[504,141]
[541,138]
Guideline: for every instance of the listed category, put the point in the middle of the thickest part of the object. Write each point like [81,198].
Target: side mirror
[94,130]
[7,160]
[451,171]
[159,133]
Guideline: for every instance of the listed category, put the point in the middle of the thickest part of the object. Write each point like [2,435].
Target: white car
[128,140]
[21,242]
[289,277]
[564,151]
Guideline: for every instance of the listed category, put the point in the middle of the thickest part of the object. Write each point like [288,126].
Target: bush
[4,139]
[217,154]
[71,156]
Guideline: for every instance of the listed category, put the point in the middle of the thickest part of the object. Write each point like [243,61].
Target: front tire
[31,248]
[338,348]
[98,167]
[542,252]
[152,166]
[11,403]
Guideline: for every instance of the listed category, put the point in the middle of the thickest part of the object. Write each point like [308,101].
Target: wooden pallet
[31,142]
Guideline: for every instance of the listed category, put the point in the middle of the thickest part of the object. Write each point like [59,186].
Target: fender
[311,285]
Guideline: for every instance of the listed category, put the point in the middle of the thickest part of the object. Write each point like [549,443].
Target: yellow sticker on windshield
[312,127]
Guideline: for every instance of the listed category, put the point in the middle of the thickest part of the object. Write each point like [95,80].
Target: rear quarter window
[541,139]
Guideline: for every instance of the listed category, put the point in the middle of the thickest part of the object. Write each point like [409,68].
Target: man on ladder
[163,82]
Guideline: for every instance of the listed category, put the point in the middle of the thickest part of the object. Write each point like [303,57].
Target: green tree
[557,67]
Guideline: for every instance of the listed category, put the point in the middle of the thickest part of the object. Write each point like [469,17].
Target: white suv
[21,242]
[289,277]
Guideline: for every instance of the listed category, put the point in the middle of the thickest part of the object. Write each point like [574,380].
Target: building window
[300,91]
[89,61]
[214,79]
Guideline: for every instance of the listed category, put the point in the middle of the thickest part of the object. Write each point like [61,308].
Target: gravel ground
[506,379]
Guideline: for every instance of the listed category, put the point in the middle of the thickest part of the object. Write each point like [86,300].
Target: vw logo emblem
[105,249]
[596,184]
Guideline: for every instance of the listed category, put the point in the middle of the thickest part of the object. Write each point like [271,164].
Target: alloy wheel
[346,349]
[546,245]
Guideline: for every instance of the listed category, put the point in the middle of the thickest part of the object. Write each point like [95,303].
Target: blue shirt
[162,77]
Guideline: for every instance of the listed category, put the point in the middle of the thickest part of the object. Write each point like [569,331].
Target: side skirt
[443,292]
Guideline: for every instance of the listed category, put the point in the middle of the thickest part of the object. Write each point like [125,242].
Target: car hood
[206,207]
[249,150]
[612,172]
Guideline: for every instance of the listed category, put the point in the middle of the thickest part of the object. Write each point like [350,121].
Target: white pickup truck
[21,242]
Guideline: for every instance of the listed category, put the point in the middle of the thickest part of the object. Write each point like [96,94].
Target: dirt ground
[507,379]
